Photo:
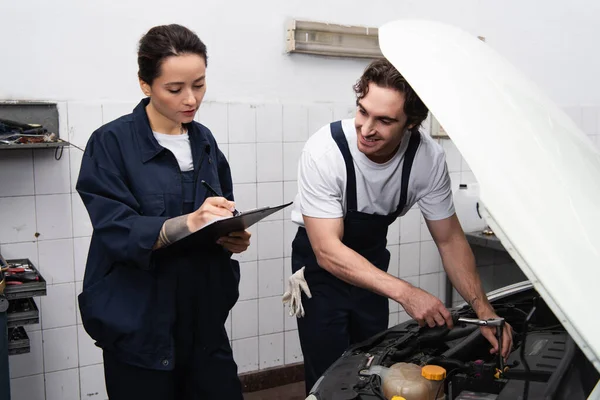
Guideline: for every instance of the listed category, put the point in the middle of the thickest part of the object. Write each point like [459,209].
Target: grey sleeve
[437,202]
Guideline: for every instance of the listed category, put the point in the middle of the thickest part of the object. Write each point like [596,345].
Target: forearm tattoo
[173,229]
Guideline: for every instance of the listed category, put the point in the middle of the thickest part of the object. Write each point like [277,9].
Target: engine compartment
[545,363]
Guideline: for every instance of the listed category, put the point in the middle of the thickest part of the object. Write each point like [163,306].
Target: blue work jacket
[130,186]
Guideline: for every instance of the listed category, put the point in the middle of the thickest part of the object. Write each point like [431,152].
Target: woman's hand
[236,242]
[211,209]
[177,228]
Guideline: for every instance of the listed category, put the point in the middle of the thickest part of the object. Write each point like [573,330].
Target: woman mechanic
[158,308]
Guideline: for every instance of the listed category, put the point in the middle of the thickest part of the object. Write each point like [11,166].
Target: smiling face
[380,122]
[177,92]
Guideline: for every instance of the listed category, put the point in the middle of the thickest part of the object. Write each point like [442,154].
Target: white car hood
[539,175]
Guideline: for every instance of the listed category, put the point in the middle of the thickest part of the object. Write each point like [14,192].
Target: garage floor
[294,391]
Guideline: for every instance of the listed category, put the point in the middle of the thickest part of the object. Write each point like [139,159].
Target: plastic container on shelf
[466,200]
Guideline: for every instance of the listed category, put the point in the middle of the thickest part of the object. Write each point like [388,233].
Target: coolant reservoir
[435,375]
[413,382]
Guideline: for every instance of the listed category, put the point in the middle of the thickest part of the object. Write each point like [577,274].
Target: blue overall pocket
[116,306]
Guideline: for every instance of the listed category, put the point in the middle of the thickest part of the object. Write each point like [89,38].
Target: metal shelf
[27,289]
[46,145]
[18,341]
[34,112]
[22,312]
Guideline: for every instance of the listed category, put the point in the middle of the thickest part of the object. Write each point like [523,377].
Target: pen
[214,193]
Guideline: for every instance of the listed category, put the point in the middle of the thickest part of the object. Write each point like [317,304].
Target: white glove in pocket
[296,285]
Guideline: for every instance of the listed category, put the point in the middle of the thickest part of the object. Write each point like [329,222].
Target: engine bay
[544,363]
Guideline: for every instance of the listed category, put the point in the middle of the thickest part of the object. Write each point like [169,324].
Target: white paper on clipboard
[224,226]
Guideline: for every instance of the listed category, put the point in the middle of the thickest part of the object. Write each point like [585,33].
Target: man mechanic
[355,178]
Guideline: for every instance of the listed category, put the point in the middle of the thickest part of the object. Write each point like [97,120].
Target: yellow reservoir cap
[398,398]
[433,372]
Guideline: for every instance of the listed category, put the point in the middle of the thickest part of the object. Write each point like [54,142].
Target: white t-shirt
[179,146]
[322,179]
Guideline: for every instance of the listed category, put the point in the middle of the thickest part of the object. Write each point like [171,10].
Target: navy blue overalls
[340,314]
[158,315]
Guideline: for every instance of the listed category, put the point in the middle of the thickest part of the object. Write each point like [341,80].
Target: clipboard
[217,228]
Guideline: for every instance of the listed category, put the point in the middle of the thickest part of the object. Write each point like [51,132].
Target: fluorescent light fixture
[332,40]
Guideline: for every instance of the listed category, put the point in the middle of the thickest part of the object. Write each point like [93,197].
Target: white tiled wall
[44,220]
[263,143]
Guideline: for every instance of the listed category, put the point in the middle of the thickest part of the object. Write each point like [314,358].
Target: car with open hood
[539,183]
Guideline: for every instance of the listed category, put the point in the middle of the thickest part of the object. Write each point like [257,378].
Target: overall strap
[409,157]
[340,139]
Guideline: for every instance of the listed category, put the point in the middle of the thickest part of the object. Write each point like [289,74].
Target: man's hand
[426,308]
[489,332]
[459,264]
[236,242]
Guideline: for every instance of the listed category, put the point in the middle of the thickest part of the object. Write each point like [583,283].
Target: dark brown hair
[382,73]
[164,41]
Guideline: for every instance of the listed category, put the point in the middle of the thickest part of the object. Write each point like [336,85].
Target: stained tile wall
[263,143]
